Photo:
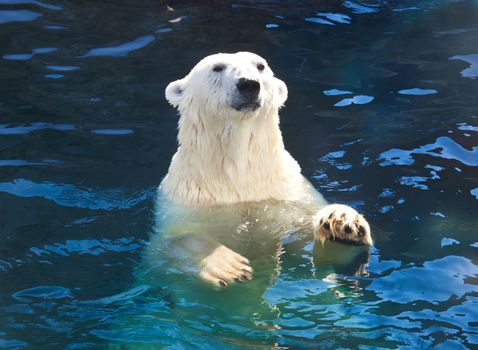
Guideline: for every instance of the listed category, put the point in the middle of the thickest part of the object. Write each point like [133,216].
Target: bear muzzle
[247,98]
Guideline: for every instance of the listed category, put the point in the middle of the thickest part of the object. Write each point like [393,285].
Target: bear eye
[218,67]
[260,67]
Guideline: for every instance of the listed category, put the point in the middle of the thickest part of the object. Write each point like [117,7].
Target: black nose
[248,87]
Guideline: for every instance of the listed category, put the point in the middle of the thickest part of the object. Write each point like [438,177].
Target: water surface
[382,115]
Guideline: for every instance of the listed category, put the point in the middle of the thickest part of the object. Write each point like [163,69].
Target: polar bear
[231,171]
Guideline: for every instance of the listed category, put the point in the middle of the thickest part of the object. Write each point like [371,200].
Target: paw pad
[342,223]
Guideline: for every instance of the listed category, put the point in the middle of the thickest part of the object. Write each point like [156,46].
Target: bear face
[238,85]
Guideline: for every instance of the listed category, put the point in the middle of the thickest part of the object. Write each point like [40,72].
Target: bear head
[239,85]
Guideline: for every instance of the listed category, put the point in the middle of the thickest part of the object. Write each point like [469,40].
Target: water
[382,115]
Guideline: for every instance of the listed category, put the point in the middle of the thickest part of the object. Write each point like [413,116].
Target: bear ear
[175,92]
[281,91]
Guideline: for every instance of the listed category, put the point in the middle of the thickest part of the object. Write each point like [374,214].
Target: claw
[245,277]
[222,283]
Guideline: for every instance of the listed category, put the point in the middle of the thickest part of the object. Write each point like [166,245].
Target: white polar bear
[231,164]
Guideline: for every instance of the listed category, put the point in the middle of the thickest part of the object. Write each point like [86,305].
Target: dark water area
[382,115]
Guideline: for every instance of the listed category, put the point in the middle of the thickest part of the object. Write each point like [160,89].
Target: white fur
[226,156]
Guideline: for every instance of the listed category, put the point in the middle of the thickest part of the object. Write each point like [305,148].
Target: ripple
[387,193]
[34,2]
[337,186]
[331,158]
[89,246]
[401,9]
[414,181]
[443,147]
[164,30]
[52,27]
[358,8]
[113,131]
[336,17]
[10,16]
[121,50]
[408,285]
[21,162]
[357,100]
[474,192]
[333,155]
[467,127]
[385,209]
[63,68]
[72,196]
[285,291]
[446,241]
[459,317]
[12,343]
[335,92]
[5,129]
[27,56]
[378,266]
[54,76]
[417,92]
[42,292]
[319,20]
[121,297]
[472,71]
[367,320]
[177,19]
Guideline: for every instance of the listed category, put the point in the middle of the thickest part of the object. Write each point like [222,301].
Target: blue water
[382,115]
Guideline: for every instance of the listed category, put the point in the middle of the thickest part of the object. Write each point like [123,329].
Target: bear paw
[224,266]
[342,223]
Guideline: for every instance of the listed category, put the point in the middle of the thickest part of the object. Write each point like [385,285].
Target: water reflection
[63,68]
[6,129]
[89,246]
[356,100]
[444,147]
[21,162]
[417,91]
[27,56]
[408,285]
[472,71]
[112,131]
[335,92]
[122,49]
[9,16]
[358,8]
[33,2]
[474,192]
[72,196]
[319,20]
[336,17]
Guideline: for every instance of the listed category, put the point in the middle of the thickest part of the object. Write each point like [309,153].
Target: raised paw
[342,223]
[224,266]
